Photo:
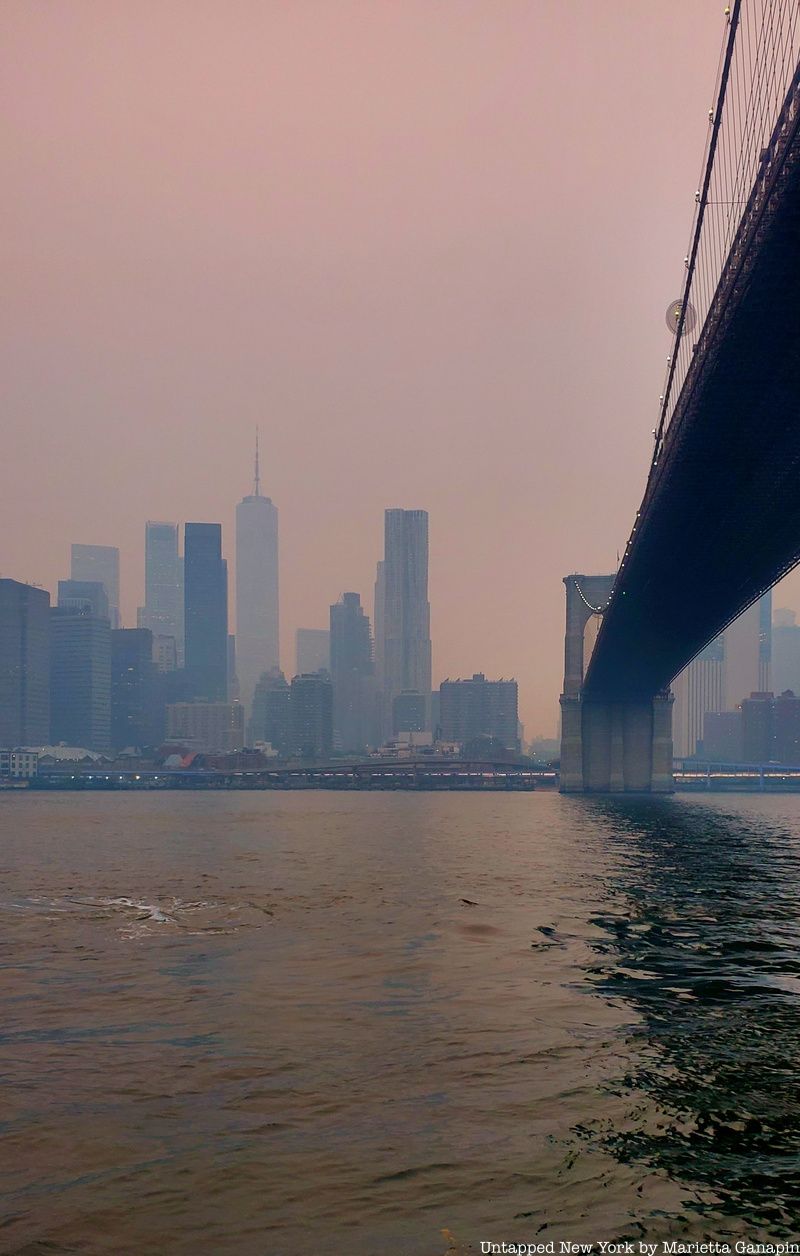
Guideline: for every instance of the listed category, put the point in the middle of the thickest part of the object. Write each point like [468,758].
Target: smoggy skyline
[428,249]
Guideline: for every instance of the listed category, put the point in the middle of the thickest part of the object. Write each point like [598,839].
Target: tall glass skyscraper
[24,665]
[206,611]
[257,611]
[99,562]
[80,678]
[351,673]
[162,612]
[404,615]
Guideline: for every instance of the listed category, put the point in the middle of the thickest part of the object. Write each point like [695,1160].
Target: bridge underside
[720,520]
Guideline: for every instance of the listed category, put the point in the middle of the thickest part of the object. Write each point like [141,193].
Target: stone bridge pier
[607,747]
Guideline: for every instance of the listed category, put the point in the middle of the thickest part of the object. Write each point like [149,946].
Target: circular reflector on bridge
[674,314]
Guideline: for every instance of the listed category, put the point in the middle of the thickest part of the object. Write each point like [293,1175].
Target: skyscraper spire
[256,584]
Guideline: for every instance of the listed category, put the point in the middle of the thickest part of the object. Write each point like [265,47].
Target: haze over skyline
[428,249]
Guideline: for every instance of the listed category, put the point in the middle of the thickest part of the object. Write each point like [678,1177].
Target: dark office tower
[24,665]
[270,720]
[722,737]
[99,562]
[786,729]
[162,612]
[409,712]
[80,679]
[206,611]
[311,716]
[84,595]
[479,708]
[757,727]
[133,676]
[405,649]
[257,629]
[351,674]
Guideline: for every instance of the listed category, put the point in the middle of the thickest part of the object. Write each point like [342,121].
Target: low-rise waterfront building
[19,764]
[479,708]
[211,727]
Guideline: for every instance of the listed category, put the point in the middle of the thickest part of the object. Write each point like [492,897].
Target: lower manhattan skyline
[402,332]
[495,648]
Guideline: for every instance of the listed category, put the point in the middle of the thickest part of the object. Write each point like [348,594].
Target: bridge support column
[616,747]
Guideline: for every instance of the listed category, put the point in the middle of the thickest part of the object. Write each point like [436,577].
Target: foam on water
[132,914]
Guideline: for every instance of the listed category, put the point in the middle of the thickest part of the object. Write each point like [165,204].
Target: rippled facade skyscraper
[257,595]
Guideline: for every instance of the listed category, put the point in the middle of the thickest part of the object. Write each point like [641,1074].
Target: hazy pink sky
[427,245]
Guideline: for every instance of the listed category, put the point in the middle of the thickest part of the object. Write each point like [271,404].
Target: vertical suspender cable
[712,148]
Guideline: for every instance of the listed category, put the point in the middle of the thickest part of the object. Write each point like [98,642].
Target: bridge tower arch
[607,746]
[586,600]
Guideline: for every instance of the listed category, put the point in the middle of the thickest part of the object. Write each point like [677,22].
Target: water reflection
[702,941]
[286,1023]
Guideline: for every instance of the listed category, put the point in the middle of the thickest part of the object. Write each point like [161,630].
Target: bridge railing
[755,104]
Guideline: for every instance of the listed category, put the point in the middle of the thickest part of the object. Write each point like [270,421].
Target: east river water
[244,1024]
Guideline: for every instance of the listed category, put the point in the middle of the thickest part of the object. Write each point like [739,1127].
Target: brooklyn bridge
[719,522]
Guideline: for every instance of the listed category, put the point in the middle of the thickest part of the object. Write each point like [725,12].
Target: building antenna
[257,484]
